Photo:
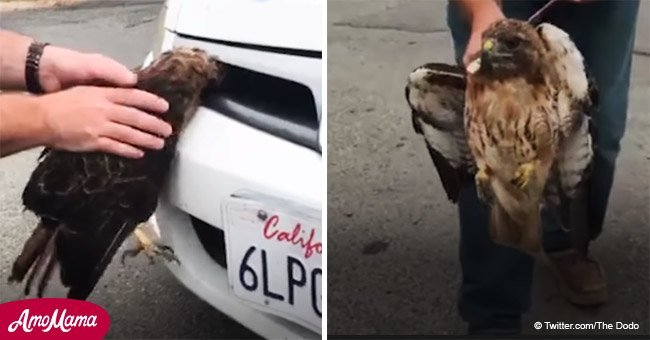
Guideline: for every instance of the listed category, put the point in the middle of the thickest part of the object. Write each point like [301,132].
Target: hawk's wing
[436,94]
[580,96]
[90,202]
[573,172]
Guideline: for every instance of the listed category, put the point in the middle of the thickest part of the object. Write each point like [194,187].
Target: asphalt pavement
[393,237]
[143,301]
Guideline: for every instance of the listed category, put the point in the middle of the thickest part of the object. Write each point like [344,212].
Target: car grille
[275,105]
[212,239]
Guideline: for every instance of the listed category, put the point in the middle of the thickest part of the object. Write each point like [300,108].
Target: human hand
[480,22]
[62,68]
[103,119]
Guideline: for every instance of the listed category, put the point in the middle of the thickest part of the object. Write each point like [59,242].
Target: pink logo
[52,318]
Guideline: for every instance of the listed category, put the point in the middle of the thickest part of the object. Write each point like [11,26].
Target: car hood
[290,24]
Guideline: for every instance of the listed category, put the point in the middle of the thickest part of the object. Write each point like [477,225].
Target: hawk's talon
[150,249]
[524,175]
[166,253]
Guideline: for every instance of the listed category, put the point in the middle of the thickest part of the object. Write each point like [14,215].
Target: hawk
[88,203]
[517,122]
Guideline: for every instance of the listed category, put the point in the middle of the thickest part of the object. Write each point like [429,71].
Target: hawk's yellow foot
[150,248]
[524,174]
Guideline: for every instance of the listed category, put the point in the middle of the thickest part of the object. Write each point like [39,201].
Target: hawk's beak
[475,65]
[488,48]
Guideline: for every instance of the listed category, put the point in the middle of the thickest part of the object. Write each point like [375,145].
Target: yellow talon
[524,175]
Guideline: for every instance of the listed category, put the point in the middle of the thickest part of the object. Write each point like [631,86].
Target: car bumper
[216,158]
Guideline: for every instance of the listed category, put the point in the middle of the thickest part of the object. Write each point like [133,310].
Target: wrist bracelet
[32,63]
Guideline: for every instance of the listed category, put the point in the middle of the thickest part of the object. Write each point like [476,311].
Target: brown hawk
[517,122]
[88,203]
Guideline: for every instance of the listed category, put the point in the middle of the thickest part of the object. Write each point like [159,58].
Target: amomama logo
[52,318]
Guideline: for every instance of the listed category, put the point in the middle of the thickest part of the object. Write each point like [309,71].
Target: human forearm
[60,68]
[480,15]
[12,60]
[479,12]
[22,123]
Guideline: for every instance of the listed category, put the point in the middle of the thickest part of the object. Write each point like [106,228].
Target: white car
[242,210]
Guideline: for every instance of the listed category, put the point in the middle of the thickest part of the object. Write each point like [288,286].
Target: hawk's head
[511,48]
[192,66]
[180,76]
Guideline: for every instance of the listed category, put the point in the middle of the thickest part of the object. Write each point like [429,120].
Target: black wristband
[32,63]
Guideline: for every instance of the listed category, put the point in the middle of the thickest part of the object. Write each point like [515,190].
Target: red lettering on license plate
[272,231]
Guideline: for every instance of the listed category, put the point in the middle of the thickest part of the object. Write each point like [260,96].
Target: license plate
[274,259]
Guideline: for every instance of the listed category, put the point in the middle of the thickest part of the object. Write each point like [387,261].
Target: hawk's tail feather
[38,258]
[82,259]
[515,218]
[82,267]
[49,268]
[32,253]
[523,234]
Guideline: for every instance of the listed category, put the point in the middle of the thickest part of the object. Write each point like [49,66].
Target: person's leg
[497,280]
[604,32]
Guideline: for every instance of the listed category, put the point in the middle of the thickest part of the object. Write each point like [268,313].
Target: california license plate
[274,259]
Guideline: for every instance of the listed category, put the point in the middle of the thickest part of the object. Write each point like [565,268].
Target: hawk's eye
[512,43]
